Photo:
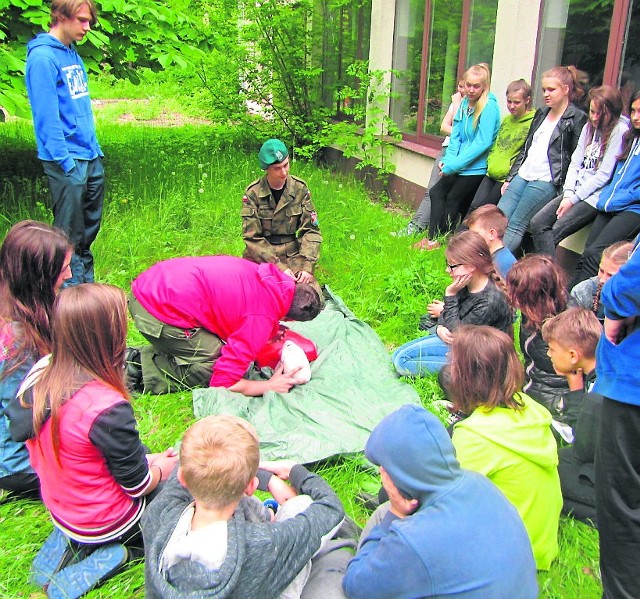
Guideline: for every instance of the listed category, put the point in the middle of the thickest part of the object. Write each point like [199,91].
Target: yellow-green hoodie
[516,450]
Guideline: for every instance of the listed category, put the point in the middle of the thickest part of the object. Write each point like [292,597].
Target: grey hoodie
[262,557]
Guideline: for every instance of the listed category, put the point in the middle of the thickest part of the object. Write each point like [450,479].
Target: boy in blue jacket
[65,132]
[445,531]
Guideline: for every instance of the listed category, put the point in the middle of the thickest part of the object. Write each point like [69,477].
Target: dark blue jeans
[77,209]
[548,231]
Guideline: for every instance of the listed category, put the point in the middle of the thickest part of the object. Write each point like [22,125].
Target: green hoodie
[516,450]
[511,137]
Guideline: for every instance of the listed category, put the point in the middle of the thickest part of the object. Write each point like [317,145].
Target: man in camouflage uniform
[279,221]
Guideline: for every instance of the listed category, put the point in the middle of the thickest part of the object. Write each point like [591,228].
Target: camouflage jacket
[287,233]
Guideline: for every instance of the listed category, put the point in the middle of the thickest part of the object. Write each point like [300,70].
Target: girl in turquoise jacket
[464,165]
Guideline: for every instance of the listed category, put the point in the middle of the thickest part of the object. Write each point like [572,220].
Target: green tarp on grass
[353,386]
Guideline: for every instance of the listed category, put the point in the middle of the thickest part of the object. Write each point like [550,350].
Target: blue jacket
[464,540]
[59,95]
[623,192]
[468,145]
[14,458]
[617,371]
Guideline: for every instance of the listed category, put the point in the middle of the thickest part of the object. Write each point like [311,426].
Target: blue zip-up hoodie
[464,540]
[623,192]
[618,376]
[59,95]
[469,146]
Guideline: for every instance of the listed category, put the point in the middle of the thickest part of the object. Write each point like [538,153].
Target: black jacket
[541,380]
[563,142]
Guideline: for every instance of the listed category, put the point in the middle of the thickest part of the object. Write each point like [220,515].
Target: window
[434,41]
[604,55]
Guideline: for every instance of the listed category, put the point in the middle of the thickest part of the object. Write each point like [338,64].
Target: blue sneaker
[50,558]
[272,504]
[77,579]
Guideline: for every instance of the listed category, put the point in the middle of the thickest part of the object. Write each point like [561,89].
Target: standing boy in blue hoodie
[65,131]
[618,454]
[445,531]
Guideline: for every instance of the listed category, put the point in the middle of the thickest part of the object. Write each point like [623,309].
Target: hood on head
[413,446]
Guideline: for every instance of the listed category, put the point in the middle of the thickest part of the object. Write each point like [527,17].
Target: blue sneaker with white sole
[77,579]
[50,558]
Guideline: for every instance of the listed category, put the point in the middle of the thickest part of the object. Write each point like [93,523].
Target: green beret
[271,152]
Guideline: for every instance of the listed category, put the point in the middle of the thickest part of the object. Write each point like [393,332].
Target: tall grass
[174,192]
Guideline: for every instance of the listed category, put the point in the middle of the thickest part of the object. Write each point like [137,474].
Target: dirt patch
[164,119]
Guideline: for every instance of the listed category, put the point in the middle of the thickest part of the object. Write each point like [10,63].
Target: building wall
[514,56]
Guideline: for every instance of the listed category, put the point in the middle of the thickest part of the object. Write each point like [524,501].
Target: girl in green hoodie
[507,435]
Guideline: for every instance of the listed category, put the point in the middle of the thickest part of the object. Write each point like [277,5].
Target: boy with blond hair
[572,337]
[491,223]
[206,534]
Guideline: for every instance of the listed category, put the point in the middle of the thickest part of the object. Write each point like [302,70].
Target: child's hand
[281,468]
[445,334]
[459,282]
[435,308]
[281,382]
[575,379]
[166,461]
[280,490]
[564,207]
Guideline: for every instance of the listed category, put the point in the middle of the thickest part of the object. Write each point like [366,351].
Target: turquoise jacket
[469,145]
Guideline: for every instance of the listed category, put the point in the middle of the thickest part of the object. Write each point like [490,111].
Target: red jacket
[94,491]
[240,301]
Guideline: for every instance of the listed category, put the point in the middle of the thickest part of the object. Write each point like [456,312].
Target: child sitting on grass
[506,436]
[490,223]
[74,413]
[572,337]
[587,293]
[445,532]
[205,534]
[472,297]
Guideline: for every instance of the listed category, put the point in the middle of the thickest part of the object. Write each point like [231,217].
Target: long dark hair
[32,257]
[632,134]
[608,101]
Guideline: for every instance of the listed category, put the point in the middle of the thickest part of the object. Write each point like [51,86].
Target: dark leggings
[450,200]
[608,228]
[617,473]
[26,484]
[488,193]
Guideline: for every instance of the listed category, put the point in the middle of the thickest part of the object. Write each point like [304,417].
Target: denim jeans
[520,203]
[76,199]
[548,231]
[421,356]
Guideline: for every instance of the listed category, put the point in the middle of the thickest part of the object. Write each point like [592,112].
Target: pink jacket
[238,300]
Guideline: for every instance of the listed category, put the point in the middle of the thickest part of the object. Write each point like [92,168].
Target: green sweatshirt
[517,451]
[511,138]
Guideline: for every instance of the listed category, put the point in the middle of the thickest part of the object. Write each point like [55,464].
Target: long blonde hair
[481,69]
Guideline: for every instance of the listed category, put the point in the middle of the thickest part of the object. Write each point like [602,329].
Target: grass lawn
[178,191]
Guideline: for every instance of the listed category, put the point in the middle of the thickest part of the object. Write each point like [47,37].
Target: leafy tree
[144,33]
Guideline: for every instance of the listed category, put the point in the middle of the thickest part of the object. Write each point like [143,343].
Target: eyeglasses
[452,267]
